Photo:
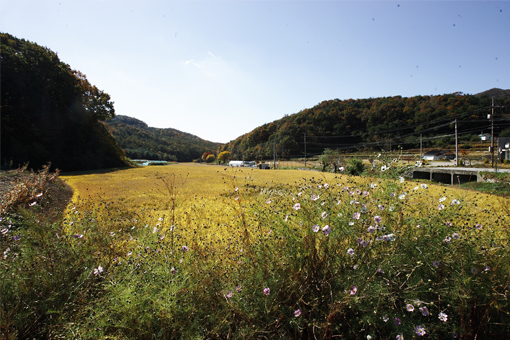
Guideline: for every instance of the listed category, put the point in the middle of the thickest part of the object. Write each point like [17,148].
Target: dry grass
[201,199]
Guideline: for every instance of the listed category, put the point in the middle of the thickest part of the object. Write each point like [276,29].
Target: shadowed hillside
[140,141]
[51,113]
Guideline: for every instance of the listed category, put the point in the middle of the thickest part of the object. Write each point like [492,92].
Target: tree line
[374,124]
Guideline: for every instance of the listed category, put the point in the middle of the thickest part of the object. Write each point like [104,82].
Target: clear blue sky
[218,69]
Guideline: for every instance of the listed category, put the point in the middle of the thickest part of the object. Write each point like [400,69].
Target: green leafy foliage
[50,112]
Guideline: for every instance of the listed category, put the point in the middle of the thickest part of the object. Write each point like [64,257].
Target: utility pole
[305,149]
[456,145]
[421,146]
[492,132]
[274,153]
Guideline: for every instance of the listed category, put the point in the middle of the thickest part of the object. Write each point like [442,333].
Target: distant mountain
[51,113]
[139,141]
[495,92]
[373,124]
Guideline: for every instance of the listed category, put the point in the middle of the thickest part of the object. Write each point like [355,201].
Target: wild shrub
[342,259]
[318,258]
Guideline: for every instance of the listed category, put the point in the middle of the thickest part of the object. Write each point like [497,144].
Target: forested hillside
[51,113]
[375,124]
[140,141]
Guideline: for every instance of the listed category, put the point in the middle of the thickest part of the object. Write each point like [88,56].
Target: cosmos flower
[385,318]
[478,226]
[435,263]
[397,321]
[173,271]
[381,207]
[400,337]
[184,248]
[455,202]
[297,313]
[440,207]
[239,288]
[267,291]
[455,236]
[341,168]
[297,206]
[16,237]
[424,311]
[315,228]
[402,196]
[324,215]
[350,251]
[443,317]
[410,307]
[442,199]
[419,330]
[371,229]
[98,270]
[326,230]
[424,186]
[401,179]
[356,216]
[354,289]
[229,294]
[377,219]
[474,270]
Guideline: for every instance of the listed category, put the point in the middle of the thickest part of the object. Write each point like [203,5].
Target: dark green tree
[50,112]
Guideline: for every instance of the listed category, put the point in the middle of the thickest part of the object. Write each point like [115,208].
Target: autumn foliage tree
[224,156]
[210,158]
[204,156]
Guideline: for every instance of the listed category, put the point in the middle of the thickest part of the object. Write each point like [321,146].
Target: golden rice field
[195,196]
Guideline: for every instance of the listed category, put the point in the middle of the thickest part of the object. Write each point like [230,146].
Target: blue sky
[218,69]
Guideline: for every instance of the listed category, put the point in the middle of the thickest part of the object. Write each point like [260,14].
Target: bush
[210,159]
[314,260]
[355,166]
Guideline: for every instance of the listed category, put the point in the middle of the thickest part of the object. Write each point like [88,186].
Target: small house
[485,136]
[504,148]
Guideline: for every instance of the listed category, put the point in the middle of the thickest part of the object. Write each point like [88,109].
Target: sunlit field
[198,251]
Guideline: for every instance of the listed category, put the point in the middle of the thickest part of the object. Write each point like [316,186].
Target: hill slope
[140,141]
[372,124]
[51,113]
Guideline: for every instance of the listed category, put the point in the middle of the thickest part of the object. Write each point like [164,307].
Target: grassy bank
[191,251]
